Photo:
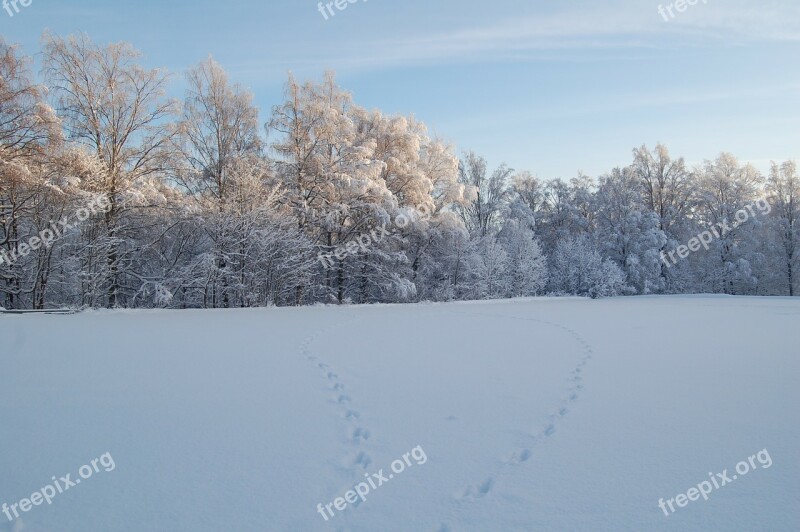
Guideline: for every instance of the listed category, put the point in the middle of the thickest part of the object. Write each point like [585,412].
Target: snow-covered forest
[212,203]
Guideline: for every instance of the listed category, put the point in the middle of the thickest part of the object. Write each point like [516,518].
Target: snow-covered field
[542,414]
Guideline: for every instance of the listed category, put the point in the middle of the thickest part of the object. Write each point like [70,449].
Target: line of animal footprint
[356,433]
[520,456]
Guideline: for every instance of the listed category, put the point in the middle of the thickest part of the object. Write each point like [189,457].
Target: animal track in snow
[477,491]
[360,434]
[519,457]
[357,434]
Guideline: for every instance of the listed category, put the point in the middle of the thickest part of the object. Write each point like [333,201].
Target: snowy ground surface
[544,414]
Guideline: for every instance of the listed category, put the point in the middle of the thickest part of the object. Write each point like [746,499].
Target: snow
[534,414]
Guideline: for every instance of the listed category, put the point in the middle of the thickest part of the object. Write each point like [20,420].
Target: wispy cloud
[614,25]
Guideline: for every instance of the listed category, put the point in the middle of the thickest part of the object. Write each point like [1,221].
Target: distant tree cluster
[209,207]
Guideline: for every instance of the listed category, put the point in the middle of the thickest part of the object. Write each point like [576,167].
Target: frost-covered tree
[528,198]
[349,173]
[487,194]
[219,163]
[115,110]
[627,233]
[218,128]
[327,166]
[29,131]
[667,188]
[579,269]
[526,267]
[491,269]
[783,189]
[724,189]
[565,212]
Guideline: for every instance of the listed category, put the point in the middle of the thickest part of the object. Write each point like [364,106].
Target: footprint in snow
[362,460]
[360,434]
[519,457]
[477,491]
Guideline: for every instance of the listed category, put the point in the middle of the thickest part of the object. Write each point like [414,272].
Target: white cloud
[609,26]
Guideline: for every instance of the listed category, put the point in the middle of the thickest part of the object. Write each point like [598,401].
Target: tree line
[208,205]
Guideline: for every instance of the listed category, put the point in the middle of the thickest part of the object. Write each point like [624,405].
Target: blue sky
[550,87]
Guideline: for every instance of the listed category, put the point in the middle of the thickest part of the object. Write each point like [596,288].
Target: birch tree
[783,188]
[115,109]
